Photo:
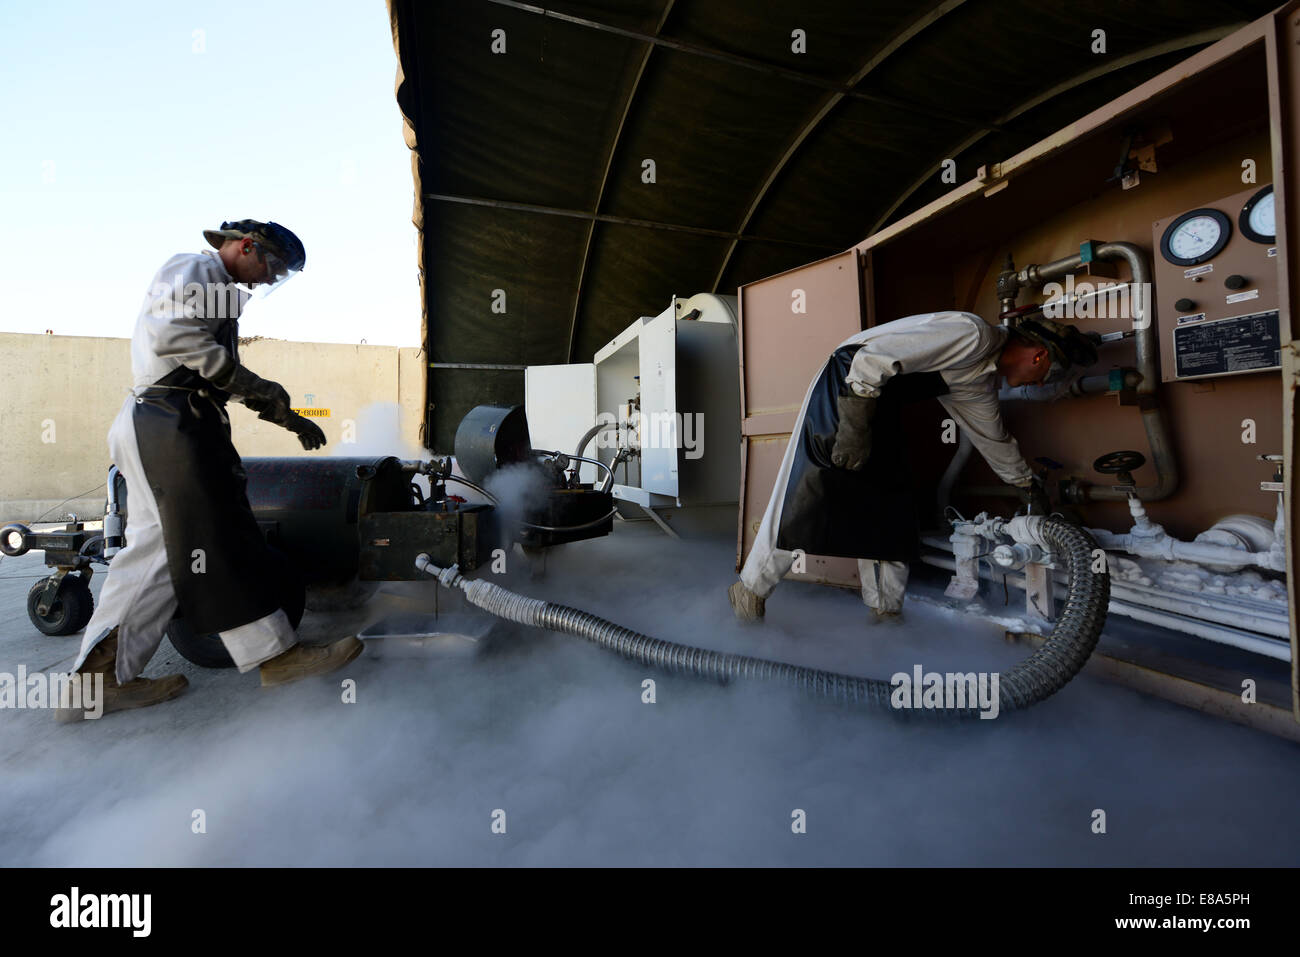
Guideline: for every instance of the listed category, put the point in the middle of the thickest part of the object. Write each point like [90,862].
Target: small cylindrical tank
[312,507]
[489,437]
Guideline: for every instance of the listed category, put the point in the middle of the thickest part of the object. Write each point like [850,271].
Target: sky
[128,129]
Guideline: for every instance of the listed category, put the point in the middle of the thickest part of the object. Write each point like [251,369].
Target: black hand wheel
[1114,463]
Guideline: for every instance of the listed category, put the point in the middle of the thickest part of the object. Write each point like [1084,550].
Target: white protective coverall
[963,349]
[175,328]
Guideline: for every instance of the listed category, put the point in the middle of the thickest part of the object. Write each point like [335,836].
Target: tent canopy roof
[577,165]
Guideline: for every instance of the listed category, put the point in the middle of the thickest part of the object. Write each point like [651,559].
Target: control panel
[1216,288]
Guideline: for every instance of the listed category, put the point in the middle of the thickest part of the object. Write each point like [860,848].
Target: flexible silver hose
[1039,676]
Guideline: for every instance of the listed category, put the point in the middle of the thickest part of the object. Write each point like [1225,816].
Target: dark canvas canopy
[532,126]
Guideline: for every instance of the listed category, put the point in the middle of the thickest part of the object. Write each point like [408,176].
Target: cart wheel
[206,651]
[209,651]
[72,607]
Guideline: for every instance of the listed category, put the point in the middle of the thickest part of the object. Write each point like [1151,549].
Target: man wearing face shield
[844,488]
[193,543]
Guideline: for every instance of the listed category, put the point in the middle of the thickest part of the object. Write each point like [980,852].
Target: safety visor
[277,271]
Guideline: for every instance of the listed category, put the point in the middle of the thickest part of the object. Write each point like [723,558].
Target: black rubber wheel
[71,610]
[209,651]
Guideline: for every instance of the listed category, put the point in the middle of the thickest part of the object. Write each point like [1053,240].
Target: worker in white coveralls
[844,487]
[192,540]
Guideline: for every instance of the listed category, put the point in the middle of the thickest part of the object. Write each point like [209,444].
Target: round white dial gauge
[1195,237]
[1261,217]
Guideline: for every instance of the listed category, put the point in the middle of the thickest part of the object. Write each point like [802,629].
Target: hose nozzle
[448,577]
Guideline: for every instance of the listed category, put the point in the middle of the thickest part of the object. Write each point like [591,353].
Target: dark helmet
[272,237]
[1065,344]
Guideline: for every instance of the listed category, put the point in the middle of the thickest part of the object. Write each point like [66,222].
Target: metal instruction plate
[1249,343]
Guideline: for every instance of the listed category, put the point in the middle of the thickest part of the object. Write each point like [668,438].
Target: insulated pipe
[1243,612]
[1168,548]
[1087,385]
[1127,601]
[1162,453]
[1039,676]
[590,434]
[609,469]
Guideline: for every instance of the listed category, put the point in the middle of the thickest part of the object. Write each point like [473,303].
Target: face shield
[276,272]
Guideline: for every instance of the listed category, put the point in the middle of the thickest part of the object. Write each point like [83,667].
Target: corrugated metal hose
[1039,676]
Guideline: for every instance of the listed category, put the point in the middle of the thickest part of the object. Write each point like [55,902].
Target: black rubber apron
[216,554]
[864,514]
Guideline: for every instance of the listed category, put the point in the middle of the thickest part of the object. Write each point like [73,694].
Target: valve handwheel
[1116,463]
[1121,465]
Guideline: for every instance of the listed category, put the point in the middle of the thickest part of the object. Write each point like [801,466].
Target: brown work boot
[746,605]
[303,661]
[886,617]
[138,693]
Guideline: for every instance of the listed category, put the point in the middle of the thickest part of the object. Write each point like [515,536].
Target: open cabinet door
[789,325]
[659,439]
[1283,49]
[560,402]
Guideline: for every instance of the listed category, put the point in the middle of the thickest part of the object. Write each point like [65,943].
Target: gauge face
[1256,220]
[1195,237]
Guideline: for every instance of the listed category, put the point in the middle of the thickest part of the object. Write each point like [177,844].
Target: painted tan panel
[789,324]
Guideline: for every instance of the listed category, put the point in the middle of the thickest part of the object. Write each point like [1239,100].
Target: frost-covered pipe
[1126,601]
[1160,544]
[1233,611]
[1042,674]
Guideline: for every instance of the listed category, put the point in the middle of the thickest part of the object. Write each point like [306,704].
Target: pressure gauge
[1195,236]
[1256,219]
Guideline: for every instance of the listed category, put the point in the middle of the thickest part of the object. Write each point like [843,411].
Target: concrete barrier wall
[60,395]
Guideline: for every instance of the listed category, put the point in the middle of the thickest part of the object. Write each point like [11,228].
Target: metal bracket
[1040,598]
[659,520]
[50,591]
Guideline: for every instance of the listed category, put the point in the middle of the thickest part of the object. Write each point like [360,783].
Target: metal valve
[1016,556]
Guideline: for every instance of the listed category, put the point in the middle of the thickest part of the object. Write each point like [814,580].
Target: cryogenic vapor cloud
[554,734]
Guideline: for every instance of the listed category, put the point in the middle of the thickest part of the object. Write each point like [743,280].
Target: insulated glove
[308,432]
[853,436]
[1034,495]
[268,399]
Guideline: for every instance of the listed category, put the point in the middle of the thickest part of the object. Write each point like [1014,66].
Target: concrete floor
[554,733]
